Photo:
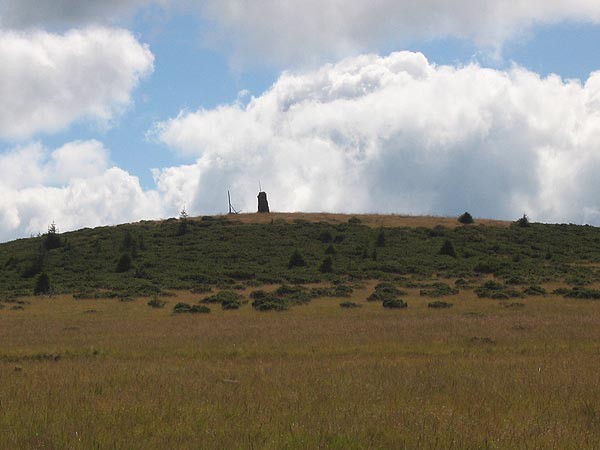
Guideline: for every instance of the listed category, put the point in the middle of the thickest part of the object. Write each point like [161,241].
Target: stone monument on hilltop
[263,204]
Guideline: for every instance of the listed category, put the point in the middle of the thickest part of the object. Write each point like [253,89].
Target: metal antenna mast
[231,208]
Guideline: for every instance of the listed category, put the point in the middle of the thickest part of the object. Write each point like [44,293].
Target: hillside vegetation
[150,257]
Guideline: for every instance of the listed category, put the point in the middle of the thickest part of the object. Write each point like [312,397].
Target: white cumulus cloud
[397,134]
[74,185]
[292,31]
[48,81]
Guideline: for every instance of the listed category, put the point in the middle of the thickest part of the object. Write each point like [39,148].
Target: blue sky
[189,75]
[174,73]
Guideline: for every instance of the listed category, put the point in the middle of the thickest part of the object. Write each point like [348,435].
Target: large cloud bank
[397,134]
[292,31]
[74,185]
[48,81]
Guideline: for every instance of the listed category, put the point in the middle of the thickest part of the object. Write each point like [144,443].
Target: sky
[123,110]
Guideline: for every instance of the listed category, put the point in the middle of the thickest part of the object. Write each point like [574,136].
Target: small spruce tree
[183,223]
[124,264]
[327,265]
[448,249]
[52,239]
[42,285]
[381,238]
[466,219]
[523,222]
[296,260]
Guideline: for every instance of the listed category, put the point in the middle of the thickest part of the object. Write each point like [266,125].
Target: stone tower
[263,204]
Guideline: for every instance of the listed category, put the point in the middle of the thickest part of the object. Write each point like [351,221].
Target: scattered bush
[231,304]
[350,305]
[448,249]
[339,239]
[330,250]
[439,305]
[466,219]
[326,237]
[385,291]
[354,220]
[523,222]
[580,292]
[534,290]
[342,291]
[265,301]
[327,265]
[296,260]
[394,303]
[124,264]
[42,285]
[156,303]
[224,296]
[438,231]
[497,291]
[438,290]
[192,309]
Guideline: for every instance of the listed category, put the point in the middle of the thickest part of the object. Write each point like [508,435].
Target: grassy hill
[302,331]
[251,250]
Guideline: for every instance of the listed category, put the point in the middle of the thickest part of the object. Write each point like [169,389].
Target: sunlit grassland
[479,375]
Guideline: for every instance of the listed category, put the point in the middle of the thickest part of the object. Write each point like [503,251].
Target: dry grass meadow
[82,374]
[372,220]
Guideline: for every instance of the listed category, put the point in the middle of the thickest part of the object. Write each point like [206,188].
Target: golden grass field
[479,375]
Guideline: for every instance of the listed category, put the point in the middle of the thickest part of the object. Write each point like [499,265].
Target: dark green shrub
[326,237]
[350,305]
[394,303]
[327,265]
[42,285]
[385,291]
[535,290]
[581,292]
[124,264]
[343,291]
[231,304]
[438,290]
[52,239]
[192,309]
[339,239]
[439,305]
[266,301]
[497,291]
[330,250]
[448,249]
[466,219]
[523,222]
[296,260]
[224,296]
[354,220]
[437,231]
[156,303]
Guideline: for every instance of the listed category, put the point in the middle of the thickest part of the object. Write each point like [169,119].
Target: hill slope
[251,250]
